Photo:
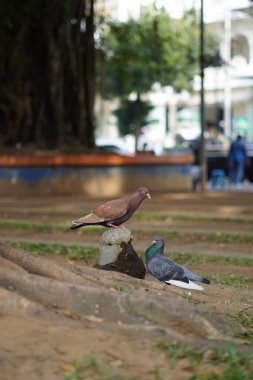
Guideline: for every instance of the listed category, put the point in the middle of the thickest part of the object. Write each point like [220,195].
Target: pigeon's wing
[111,210]
[89,219]
[165,269]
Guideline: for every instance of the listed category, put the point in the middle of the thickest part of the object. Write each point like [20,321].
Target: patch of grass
[183,258]
[235,365]
[26,225]
[93,367]
[150,217]
[224,363]
[179,351]
[118,287]
[154,216]
[221,237]
[218,237]
[73,252]
[51,212]
[236,281]
[165,233]
[203,218]
[198,258]
[42,226]
[244,318]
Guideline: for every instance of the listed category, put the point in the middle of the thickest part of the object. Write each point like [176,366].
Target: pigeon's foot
[112,225]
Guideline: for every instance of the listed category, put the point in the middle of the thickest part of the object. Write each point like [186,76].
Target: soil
[32,348]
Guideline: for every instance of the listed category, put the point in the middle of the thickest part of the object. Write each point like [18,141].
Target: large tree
[153,48]
[47,72]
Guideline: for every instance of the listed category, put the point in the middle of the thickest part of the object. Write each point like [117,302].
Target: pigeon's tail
[194,277]
[199,278]
[76,224]
[205,280]
[185,285]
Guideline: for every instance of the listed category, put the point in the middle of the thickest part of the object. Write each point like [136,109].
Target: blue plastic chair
[218,178]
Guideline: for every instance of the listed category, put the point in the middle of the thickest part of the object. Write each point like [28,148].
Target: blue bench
[218,178]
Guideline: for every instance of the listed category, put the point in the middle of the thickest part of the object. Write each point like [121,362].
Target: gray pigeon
[167,270]
[113,213]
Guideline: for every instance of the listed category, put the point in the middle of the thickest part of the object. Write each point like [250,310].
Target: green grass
[203,218]
[77,252]
[118,287]
[233,280]
[219,364]
[221,237]
[197,258]
[70,251]
[93,367]
[218,237]
[153,217]
[146,216]
[244,318]
[43,226]
[179,351]
[224,363]
[27,225]
[150,217]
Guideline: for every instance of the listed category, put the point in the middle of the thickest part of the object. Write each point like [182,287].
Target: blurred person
[237,158]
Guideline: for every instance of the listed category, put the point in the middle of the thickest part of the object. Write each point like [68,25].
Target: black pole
[202,102]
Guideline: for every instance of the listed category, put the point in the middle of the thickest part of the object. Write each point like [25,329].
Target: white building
[228,89]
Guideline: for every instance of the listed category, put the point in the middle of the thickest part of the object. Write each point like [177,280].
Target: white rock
[110,241]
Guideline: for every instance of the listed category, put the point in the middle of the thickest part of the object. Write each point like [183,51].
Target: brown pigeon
[113,213]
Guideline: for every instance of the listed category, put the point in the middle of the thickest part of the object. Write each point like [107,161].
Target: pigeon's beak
[153,242]
[148,196]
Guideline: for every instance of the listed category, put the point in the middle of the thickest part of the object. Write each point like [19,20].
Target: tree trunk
[137,129]
[47,93]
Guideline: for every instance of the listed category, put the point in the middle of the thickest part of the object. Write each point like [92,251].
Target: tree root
[35,286]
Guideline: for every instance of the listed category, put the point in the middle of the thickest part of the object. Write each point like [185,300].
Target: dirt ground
[32,348]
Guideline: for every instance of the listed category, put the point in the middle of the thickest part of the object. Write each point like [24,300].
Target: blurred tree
[131,115]
[47,72]
[154,48]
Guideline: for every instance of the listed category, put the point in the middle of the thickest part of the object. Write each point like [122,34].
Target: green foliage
[150,217]
[236,365]
[218,237]
[93,367]
[244,318]
[73,252]
[131,113]
[178,351]
[154,48]
[26,225]
[118,287]
[230,238]
[42,226]
[236,281]
[204,218]
[154,216]
[197,258]
[226,363]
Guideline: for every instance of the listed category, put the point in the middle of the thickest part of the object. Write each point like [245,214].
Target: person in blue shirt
[237,159]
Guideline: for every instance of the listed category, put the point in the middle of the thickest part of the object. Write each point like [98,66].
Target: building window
[240,49]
